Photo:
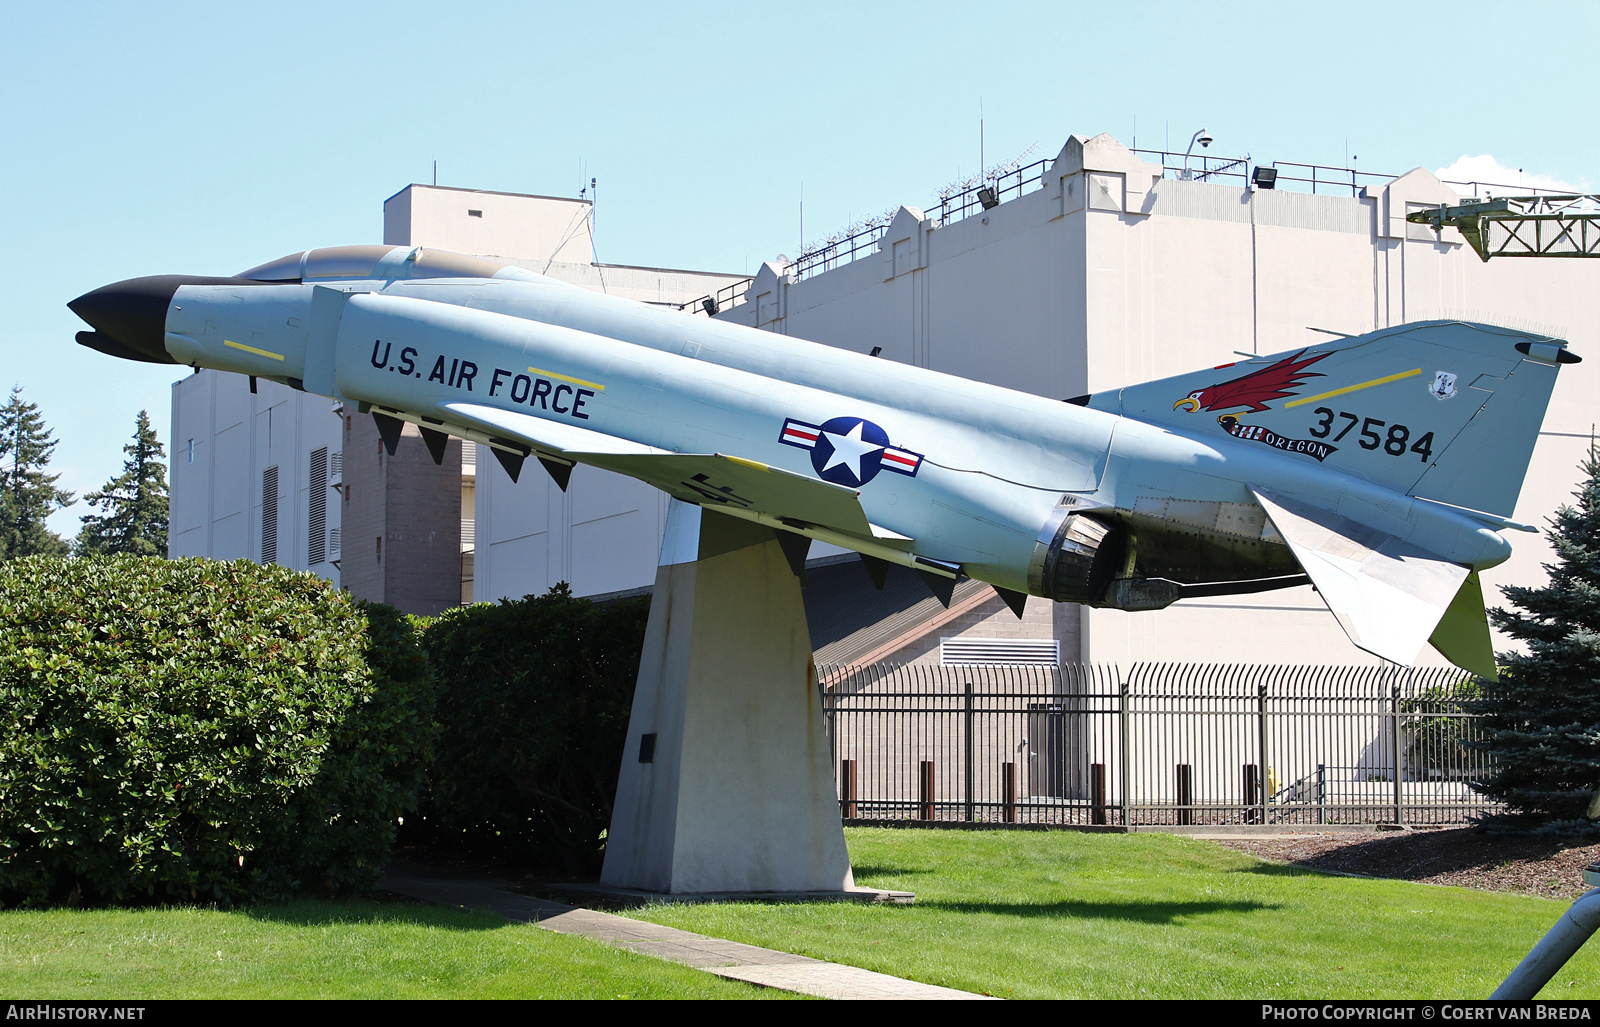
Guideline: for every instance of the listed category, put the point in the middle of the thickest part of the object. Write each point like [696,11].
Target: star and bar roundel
[849,450]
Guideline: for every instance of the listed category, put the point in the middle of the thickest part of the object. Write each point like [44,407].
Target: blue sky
[206,138]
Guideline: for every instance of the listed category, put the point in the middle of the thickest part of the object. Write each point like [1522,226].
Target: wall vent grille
[317,514]
[269,515]
[1019,652]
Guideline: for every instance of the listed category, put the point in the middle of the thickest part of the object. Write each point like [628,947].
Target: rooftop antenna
[436,171]
[980,137]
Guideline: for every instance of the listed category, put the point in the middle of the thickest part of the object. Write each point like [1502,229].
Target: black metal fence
[1174,744]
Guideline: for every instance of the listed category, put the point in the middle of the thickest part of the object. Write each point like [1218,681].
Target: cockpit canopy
[365,263]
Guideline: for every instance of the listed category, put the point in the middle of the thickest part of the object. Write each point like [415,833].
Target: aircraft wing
[554,437]
[1390,597]
[712,480]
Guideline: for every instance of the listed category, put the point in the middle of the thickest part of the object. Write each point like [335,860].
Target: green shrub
[191,729]
[533,710]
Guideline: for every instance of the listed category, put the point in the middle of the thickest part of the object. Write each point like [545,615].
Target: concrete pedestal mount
[727,781]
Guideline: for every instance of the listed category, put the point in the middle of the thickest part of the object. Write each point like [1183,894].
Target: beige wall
[507,225]
[223,438]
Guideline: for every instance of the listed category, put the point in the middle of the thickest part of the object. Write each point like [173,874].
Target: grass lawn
[1065,915]
[310,949]
[1018,914]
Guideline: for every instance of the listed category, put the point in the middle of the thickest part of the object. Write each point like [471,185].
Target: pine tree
[1544,712]
[133,504]
[28,496]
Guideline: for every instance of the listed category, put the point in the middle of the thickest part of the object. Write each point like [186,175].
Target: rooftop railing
[978,195]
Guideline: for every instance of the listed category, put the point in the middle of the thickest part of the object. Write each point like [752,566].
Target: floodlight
[1265,178]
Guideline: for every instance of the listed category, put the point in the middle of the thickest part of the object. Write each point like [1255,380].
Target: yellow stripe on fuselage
[1354,388]
[566,378]
[251,349]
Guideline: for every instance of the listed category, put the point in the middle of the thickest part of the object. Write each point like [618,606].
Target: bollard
[847,789]
[925,791]
[1252,794]
[1185,796]
[1097,793]
[1008,791]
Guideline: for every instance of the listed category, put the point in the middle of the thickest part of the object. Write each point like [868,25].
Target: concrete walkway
[766,967]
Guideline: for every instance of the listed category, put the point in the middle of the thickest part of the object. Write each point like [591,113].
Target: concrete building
[256,473]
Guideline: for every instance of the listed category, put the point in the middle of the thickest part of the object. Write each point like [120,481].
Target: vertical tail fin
[1446,410]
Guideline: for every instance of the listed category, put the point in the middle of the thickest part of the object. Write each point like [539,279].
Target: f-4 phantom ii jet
[1382,468]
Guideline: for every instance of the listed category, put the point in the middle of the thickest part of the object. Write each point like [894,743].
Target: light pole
[1202,137]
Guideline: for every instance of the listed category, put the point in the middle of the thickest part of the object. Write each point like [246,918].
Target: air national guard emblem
[1254,390]
[1444,385]
[849,450]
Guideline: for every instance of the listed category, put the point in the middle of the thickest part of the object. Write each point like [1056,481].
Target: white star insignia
[849,450]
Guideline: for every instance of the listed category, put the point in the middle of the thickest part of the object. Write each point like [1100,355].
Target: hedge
[533,706]
[189,729]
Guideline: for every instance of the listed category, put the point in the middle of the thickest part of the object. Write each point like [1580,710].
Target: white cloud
[1490,173]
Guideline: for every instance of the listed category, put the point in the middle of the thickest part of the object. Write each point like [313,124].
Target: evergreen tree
[1544,712]
[133,505]
[28,496]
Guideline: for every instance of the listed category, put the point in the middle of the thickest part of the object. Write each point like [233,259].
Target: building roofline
[489,192]
[673,270]
[627,267]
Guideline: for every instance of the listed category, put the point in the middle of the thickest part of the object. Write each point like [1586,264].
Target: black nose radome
[130,318]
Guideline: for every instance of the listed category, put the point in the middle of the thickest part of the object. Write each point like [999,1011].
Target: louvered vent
[336,471]
[333,541]
[269,515]
[317,519]
[1026,652]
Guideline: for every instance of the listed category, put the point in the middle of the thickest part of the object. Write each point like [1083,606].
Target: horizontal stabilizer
[1462,637]
[1387,594]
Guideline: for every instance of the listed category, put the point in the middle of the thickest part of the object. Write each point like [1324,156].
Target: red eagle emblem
[1255,389]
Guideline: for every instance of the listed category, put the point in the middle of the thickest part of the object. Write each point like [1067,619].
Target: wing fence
[1173,744]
